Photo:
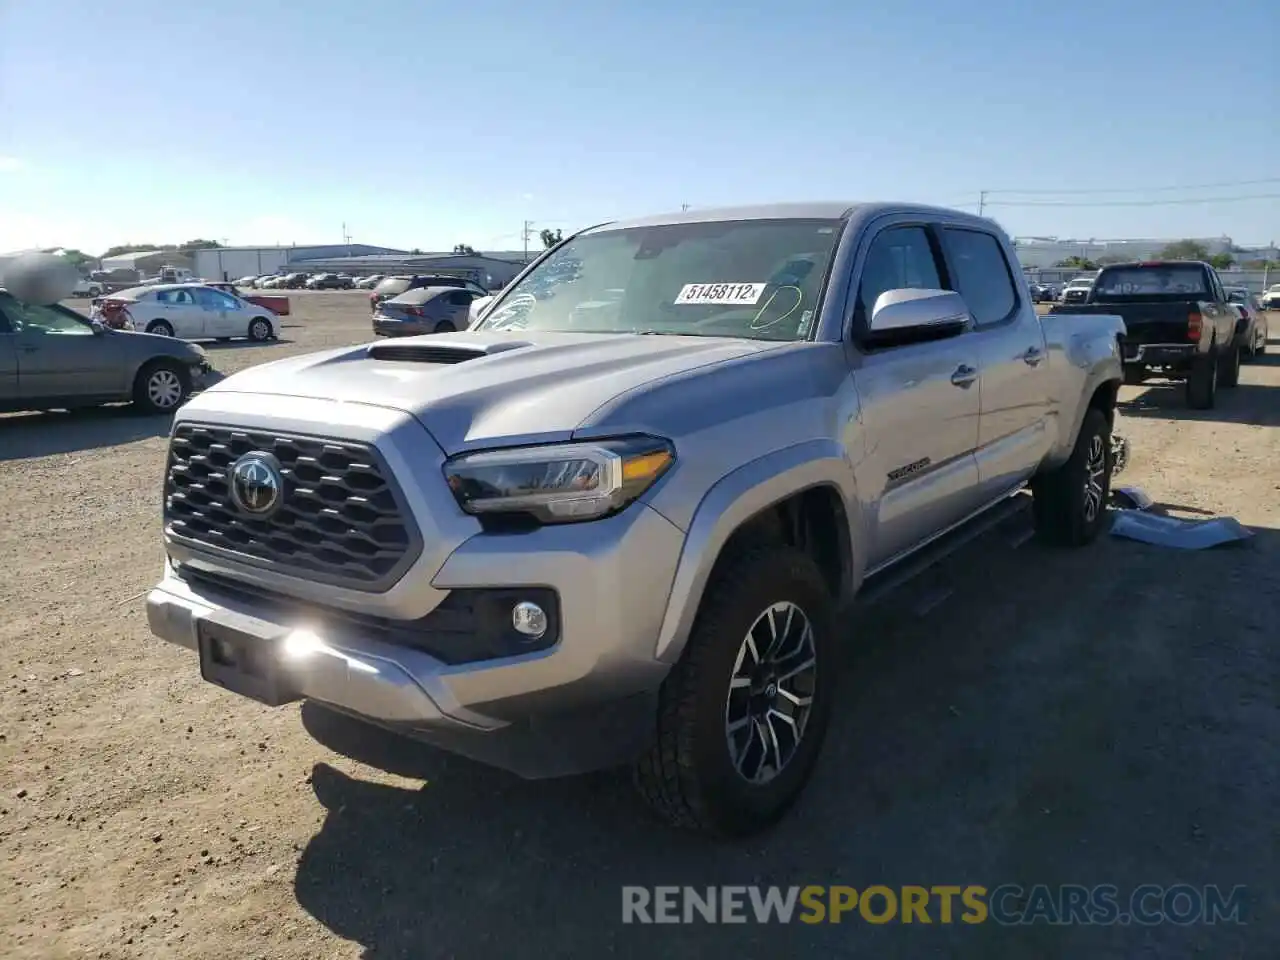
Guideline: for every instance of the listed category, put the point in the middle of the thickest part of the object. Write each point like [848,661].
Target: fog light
[529,619]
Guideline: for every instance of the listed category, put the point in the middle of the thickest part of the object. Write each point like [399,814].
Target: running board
[885,582]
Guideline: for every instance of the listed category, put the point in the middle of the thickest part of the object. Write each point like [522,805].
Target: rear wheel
[161,386]
[1229,367]
[1202,382]
[259,329]
[1070,503]
[445,326]
[160,328]
[742,716]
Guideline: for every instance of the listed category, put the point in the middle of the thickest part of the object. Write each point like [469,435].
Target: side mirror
[98,327]
[914,315]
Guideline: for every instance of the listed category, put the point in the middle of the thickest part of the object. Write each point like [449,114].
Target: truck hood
[482,389]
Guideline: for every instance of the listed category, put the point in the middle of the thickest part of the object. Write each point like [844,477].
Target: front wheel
[259,329]
[1069,504]
[160,328]
[161,387]
[743,714]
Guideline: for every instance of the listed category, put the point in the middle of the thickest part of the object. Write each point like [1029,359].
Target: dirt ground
[1103,716]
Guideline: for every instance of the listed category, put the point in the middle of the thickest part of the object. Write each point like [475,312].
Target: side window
[982,275]
[31,318]
[461,298]
[900,257]
[164,296]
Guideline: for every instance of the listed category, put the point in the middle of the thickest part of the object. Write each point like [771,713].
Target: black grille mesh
[340,522]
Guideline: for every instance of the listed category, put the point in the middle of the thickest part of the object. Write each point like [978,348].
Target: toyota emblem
[257,486]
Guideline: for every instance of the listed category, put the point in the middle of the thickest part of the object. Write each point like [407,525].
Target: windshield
[1152,281]
[759,279]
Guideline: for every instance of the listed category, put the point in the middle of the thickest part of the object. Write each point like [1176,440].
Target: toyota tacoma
[612,523]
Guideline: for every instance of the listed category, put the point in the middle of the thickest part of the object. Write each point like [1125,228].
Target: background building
[230,263]
[489,270]
[1041,252]
[146,262]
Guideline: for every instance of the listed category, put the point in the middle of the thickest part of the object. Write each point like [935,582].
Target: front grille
[341,520]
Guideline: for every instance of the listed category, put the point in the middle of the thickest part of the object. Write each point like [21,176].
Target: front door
[59,355]
[1013,429]
[221,313]
[920,406]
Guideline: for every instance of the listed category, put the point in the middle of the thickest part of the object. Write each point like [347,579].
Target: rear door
[920,403]
[1013,433]
[456,307]
[179,309]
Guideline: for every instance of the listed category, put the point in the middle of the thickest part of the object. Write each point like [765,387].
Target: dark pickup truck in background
[1179,324]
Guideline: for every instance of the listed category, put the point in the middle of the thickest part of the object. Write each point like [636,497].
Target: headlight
[561,483]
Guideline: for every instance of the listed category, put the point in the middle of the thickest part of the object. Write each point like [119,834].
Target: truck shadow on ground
[27,435]
[1021,731]
[243,344]
[1246,403]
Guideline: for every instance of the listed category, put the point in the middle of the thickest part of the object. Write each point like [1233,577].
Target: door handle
[964,376]
[1033,357]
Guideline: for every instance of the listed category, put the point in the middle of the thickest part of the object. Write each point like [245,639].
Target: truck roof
[818,210]
[1131,264]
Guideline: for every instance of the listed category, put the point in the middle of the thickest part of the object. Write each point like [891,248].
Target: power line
[1191,186]
[1129,203]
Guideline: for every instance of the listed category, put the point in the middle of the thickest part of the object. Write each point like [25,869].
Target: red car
[279,305]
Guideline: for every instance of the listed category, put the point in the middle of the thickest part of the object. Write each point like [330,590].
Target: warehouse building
[229,263]
[146,262]
[492,271]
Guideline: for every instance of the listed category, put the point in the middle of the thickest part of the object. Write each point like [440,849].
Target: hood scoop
[437,352]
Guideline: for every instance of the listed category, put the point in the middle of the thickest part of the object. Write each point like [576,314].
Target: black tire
[259,329]
[688,776]
[1202,382]
[445,326]
[161,386]
[1261,348]
[160,328]
[1064,512]
[1229,369]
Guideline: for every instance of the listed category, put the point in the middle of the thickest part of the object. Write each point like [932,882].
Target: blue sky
[428,124]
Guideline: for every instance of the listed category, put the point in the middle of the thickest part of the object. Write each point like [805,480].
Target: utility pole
[684,207]
[528,228]
[982,201]
[346,238]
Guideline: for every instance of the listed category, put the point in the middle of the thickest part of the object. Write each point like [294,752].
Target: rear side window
[982,274]
[461,298]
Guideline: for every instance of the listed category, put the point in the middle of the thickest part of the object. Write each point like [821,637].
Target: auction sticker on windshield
[730,294]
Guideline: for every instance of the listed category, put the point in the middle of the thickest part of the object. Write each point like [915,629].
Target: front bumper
[584,703]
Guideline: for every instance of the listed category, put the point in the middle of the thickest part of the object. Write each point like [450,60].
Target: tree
[1184,250]
[1077,263]
[1221,261]
[184,248]
[550,238]
[464,250]
[416,251]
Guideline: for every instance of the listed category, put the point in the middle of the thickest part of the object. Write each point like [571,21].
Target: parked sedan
[1271,298]
[52,358]
[189,312]
[329,281]
[368,283]
[1254,326]
[424,310]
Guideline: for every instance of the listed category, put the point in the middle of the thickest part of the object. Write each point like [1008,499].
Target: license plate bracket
[243,663]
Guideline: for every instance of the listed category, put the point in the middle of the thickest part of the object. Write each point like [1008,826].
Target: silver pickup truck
[611,524]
